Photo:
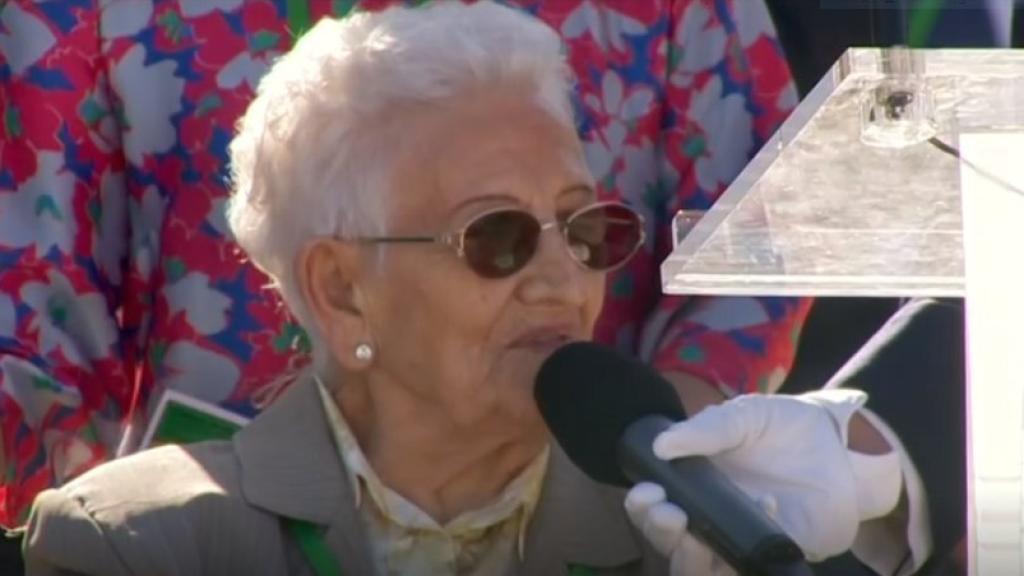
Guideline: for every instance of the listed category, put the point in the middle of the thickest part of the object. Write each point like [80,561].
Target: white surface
[993,239]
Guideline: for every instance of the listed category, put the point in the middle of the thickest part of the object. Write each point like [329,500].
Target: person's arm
[913,370]
[63,226]
[794,456]
[64,539]
[893,469]
[728,89]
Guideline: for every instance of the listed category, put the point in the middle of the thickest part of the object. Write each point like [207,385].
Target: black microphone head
[589,394]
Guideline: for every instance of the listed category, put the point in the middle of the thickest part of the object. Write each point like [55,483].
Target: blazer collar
[290,467]
[578,521]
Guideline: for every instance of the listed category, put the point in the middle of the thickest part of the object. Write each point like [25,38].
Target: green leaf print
[264,40]
[694,146]
[174,269]
[91,112]
[207,104]
[46,203]
[46,384]
[172,25]
[342,7]
[12,122]
[691,354]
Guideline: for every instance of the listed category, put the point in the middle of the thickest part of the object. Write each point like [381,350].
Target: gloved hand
[664,526]
[789,454]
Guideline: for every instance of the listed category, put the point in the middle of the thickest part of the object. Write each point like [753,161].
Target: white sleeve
[883,544]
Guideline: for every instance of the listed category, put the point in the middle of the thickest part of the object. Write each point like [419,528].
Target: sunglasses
[499,243]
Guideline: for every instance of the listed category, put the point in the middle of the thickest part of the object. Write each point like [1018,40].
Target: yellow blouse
[407,541]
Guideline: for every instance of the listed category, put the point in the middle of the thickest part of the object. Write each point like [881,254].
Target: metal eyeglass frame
[456,239]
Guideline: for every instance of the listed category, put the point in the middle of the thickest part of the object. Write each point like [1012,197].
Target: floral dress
[118,279]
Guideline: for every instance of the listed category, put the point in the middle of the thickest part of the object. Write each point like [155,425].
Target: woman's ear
[327,272]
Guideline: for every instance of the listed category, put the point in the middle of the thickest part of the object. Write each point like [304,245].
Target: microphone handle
[800,568]
[720,514]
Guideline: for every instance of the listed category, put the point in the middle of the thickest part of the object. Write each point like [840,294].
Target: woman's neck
[444,469]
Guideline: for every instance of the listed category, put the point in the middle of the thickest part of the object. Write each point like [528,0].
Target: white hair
[311,157]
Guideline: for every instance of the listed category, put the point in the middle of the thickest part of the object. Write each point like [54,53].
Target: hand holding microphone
[623,424]
[664,525]
[789,453]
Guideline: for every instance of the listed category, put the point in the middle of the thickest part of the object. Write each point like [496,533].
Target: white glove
[664,526]
[788,453]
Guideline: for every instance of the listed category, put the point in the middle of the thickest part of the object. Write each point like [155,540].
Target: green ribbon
[311,542]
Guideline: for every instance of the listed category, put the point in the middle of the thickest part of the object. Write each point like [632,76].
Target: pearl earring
[364,352]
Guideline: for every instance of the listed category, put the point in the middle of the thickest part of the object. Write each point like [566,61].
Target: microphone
[605,411]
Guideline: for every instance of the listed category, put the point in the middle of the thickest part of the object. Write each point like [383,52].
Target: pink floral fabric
[117,275]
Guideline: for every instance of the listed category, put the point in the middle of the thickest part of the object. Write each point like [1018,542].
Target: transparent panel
[859,191]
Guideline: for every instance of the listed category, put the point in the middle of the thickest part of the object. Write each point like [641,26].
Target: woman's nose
[553,276]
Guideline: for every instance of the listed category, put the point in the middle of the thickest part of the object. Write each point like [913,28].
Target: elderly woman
[433,225]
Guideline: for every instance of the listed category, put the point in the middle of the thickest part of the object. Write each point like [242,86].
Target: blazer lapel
[291,468]
[577,521]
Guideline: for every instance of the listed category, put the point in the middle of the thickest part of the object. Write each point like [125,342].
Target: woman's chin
[534,355]
[520,367]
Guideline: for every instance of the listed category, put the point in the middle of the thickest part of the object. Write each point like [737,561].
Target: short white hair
[310,158]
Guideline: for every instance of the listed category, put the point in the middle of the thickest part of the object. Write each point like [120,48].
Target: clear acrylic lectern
[900,174]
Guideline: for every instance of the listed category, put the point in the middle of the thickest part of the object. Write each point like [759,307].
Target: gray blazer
[216,508]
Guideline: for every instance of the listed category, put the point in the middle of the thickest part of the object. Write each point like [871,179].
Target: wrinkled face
[462,344]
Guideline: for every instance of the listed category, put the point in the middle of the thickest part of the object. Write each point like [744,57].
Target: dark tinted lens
[604,236]
[499,244]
